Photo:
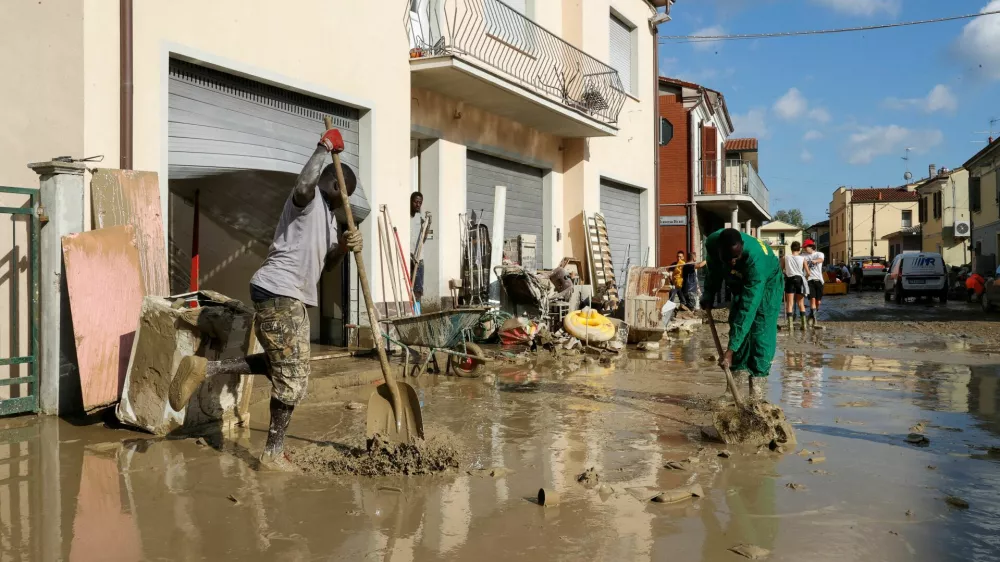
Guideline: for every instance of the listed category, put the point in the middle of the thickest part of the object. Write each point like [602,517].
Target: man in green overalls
[751,270]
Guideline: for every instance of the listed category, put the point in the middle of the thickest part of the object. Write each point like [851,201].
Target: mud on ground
[440,452]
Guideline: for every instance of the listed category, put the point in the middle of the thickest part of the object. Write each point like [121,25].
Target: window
[975,195]
[938,204]
[907,219]
[622,53]
[922,210]
[666,131]
[508,23]
[781,238]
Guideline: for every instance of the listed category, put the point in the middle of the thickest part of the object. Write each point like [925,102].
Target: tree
[793,217]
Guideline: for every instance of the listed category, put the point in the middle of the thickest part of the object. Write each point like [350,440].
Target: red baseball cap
[809,242]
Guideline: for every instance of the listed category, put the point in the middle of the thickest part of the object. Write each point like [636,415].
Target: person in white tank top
[796,285]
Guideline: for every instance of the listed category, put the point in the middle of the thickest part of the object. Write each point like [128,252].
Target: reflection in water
[802,380]
[102,517]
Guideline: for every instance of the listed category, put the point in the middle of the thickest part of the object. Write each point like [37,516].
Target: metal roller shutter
[523,211]
[621,51]
[220,123]
[620,207]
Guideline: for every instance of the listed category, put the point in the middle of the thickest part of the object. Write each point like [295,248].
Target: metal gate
[19,389]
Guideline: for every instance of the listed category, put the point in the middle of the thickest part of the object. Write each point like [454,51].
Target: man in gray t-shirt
[305,240]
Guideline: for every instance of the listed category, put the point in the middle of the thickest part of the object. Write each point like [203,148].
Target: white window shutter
[519,5]
[621,51]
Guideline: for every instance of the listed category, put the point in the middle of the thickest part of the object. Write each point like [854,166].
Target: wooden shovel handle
[737,397]
[383,360]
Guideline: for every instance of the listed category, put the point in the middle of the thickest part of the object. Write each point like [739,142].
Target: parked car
[868,272]
[991,295]
[917,274]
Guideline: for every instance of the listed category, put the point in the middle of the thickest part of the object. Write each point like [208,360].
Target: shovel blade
[382,418]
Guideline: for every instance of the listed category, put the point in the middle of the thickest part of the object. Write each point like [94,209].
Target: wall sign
[681,220]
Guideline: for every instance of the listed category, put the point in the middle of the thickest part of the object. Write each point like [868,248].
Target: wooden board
[123,197]
[105,296]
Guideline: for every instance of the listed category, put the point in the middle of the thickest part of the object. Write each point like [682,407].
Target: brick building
[707,180]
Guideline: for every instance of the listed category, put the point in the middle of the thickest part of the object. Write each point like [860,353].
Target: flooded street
[853,391]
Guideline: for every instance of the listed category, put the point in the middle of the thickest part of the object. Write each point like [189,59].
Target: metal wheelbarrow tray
[446,332]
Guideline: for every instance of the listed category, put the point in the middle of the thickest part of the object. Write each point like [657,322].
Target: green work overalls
[757,285]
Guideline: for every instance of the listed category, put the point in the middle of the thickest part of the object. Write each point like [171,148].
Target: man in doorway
[417,262]
[814,261]
[751,271]
[305,242]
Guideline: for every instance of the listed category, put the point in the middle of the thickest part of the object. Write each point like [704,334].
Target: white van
[916,274]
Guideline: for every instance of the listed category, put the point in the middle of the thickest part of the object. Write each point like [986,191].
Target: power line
[704,38]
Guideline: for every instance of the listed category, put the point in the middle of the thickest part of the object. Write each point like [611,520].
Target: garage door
[220,122]
[239,145]
[620,207]
[523,210]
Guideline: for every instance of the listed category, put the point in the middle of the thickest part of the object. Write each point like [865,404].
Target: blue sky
[840,109]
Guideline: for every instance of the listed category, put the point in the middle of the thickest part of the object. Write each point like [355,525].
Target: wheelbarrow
[447,332]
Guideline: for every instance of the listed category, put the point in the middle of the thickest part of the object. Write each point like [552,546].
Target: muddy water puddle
[90,493]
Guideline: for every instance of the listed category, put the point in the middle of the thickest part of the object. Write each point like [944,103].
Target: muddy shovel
[393,410]
[740,424]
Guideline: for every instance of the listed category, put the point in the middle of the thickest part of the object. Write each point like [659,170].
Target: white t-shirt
[815,268]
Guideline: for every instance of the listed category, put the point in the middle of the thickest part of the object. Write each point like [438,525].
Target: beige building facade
[779,236]
[556,107]
[945,222]
[860,218]
[984,204]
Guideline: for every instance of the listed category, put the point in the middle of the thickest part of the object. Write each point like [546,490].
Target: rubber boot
[802,321]
[815,320]
[273,457]
[740,378]
[788,322]
[190,374]
[758,390]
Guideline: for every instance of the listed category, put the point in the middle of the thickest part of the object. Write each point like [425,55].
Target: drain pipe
[125,76]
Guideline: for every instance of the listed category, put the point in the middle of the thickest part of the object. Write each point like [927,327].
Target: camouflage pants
[282,326]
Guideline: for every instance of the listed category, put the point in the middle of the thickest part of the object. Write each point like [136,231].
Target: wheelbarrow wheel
[467,366]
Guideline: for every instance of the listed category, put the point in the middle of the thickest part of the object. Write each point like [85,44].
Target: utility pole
[872,247]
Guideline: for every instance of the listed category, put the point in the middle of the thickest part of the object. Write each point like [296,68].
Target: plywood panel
[105,296]
[123,197]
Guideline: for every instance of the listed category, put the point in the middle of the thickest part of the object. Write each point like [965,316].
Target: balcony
[740,185]
[487,54]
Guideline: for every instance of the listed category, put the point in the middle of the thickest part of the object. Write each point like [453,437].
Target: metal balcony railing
[738,178]
[517,49]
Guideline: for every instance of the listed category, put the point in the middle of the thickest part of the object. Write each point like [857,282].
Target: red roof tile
[741,145]
[885,194]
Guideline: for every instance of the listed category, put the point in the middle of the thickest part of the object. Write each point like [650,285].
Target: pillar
[442,182]
[61,194]
[749,227]
[734,219]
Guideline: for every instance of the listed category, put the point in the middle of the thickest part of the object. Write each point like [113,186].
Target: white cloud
[940,98]
[812,135]
[792,105]
[820,114]
[862,7]
[869,143]
[806,156]
[753,123]
[979,40]
[708,44]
